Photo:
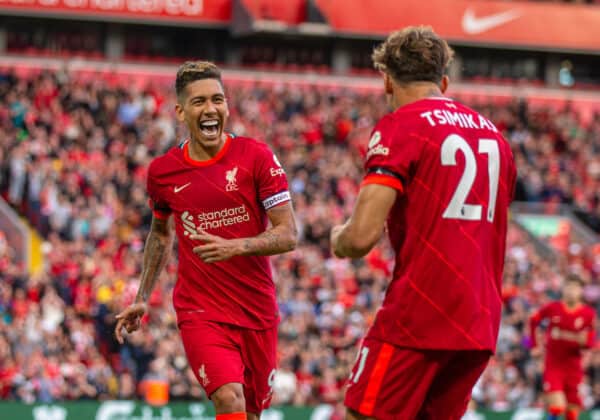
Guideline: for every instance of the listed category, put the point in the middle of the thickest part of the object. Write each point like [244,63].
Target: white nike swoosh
[177,189]
[474,25]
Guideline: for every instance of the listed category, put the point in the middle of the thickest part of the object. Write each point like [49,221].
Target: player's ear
[387,82]
[444,83]
[179,112]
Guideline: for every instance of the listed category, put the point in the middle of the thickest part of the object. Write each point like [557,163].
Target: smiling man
[220,191]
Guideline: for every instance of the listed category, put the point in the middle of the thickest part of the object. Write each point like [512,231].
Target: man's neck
[404,95]
[201,153]
[571,305]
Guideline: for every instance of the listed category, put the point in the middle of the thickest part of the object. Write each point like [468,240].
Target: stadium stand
[73,162]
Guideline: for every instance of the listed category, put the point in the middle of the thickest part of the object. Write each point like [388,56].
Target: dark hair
[415,53]
[574,278]
[190,71]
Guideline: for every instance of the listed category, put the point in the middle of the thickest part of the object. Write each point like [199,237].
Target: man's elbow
[291,239]
[358,247]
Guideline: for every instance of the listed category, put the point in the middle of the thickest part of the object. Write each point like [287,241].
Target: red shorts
[390,382]
[221,353]
[564,379]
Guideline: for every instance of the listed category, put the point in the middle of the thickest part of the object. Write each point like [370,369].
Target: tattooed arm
[156,254]
[279,238]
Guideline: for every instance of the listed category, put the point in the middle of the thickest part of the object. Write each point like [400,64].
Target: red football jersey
[455,176]
[564,326]
[226,196]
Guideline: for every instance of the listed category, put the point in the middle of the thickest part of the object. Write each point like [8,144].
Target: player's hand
[214,248]
[582,337]
[536,352]
[333,239]
[130,318]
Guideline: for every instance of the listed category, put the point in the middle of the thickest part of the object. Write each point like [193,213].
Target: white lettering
[485,123]
[192,7]
[272,201]
[108,4]
[441,119]
[428,116]
[454,118]
[218,218]
[378,150]
[471,121]
[75,4]
[51,412]
[276,172]
[114,409]
[170,7]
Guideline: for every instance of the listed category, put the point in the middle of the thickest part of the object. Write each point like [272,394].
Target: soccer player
[218,192]
[571,328]
[442,176]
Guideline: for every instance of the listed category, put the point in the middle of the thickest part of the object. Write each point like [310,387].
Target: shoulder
[384,130]
[249,143]
[251,148]
[590,311]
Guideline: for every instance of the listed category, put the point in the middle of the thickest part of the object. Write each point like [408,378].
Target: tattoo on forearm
[273,241]
[156,254]
[278,239]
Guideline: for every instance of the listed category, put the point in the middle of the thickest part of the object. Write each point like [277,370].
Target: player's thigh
[554,380]
[450,391]
[573,380]
[388,382]
[259,355]
[213,354]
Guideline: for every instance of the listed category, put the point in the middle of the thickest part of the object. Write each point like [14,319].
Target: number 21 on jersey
[457,208]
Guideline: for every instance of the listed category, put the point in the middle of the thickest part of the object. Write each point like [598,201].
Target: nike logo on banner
[177,189]
[474,25]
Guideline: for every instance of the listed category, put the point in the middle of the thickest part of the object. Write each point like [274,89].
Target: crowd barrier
[132,410]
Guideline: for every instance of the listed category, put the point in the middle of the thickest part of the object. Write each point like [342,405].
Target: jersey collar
[215,159]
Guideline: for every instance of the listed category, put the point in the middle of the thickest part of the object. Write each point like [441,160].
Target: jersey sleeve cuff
[387,180]
[160,215]
[276,200]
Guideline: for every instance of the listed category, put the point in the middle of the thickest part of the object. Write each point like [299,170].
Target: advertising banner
[216,12]
[132,410]
[527,24]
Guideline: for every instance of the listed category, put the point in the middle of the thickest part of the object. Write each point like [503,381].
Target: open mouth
[209,128]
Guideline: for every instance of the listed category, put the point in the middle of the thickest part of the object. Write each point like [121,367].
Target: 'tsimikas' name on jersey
[444,117]
[214,219]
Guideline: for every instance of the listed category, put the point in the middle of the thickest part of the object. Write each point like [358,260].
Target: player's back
[448,226]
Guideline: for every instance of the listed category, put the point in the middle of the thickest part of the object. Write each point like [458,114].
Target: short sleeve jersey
[455,176]
[228,196]
[564,326]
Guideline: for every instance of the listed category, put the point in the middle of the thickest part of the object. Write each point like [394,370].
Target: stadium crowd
[73,157]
